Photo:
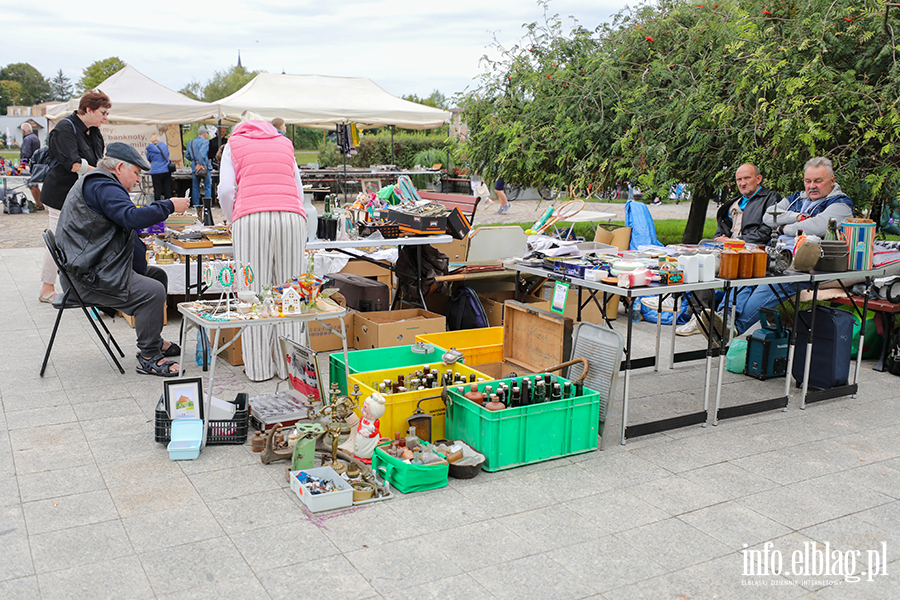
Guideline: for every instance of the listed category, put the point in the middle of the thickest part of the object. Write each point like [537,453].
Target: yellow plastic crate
[400,407]
[479,346]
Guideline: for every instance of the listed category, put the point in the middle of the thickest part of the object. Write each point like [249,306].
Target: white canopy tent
[138,99]
[321,102]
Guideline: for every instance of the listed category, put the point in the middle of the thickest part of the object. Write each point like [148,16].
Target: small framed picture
[184,398]
[371,186]
[302,368]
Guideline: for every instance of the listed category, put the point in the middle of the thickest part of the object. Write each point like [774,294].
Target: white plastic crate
[340,498]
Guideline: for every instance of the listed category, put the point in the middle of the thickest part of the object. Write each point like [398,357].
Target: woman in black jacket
[75,147]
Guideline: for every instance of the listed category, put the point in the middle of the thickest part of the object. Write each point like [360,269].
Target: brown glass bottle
[495,403]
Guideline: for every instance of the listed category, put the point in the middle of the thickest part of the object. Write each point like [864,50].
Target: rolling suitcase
[362,294]
[830,364]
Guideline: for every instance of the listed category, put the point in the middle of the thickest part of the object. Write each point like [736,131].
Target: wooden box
[493,303]
[533,340]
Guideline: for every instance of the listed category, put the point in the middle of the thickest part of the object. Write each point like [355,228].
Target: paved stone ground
[91,506]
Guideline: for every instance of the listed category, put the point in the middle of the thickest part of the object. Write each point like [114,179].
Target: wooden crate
[533,338]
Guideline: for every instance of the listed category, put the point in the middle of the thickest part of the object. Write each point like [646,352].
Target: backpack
[892,360]
[41,161]
[464,311]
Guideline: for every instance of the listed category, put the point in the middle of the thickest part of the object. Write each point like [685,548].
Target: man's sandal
[149,366]
[173,350]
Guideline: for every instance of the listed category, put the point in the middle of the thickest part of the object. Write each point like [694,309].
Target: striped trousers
[273,244]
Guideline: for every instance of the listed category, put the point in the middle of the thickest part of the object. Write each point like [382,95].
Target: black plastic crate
[219,433]
[388,230]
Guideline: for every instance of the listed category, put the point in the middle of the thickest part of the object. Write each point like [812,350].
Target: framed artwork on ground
[184,398]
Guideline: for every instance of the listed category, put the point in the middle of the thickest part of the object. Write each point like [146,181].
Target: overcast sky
[405,47]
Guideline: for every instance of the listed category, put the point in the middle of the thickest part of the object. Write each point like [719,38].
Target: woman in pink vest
[262,196]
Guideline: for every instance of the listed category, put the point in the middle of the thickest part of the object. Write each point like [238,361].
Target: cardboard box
[130,320]
[369,271]
[394,328]
[493,304]
[234,355]
[457,250]
[590,312]
[322,340]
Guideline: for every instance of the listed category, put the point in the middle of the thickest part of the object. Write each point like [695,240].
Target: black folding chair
[72,299]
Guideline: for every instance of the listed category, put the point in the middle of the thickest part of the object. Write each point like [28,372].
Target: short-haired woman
[75,145]
[158,157]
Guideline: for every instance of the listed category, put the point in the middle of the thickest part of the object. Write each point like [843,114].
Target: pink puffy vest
[264,174]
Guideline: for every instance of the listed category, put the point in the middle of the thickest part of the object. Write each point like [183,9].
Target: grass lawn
[668,231]
[306,156]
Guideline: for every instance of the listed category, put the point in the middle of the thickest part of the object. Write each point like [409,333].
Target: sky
[405,47]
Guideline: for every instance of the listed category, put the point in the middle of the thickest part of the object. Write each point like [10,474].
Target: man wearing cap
[97,237]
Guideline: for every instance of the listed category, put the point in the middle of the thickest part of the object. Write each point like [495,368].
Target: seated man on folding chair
[96,235]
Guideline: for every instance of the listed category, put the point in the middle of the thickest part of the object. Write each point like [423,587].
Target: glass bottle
[515,399]
[327,214]
[556,392]
[539,392]
[579,388]
[832,233]
[567,389]
[494,404]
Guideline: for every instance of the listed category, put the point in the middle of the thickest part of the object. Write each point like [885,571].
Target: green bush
[376,150]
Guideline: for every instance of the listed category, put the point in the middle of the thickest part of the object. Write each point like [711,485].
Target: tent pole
[392,145]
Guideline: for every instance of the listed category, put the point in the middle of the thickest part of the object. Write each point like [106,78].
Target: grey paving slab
[533,576]
[36,417]
[154,497]
[125,428]
[217,458]
[606,563]
[333,573]
[60,482]
[231,483]
[670,586]
[734,524]
[51,458]
[438,509]
[693,545]
[551,527]
[728,480]
[9,492]
[104,409]
[69,511]
[17,560]
[190,565]
[78,546]
[236,588]
[140,472]
[617,510]
[402,564]
[383,526]
[109,391]
[255,510]
[165,529]
[458,587]
[478,545]
[282,545]
[507,496]
[23,588]
[28,400]
[677,495]
[112,579]
[723,578]
[41,437]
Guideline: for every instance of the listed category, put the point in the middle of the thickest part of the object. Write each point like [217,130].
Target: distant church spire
[239,59]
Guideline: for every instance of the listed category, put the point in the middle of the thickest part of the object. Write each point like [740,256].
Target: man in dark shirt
[96,234]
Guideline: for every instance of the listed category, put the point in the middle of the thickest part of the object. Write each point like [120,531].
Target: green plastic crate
[376,359]
[406,477]
[520,436]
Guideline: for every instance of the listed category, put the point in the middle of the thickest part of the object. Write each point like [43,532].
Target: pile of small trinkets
[316,485]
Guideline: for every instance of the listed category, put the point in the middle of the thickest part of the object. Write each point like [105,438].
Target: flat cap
[128,154]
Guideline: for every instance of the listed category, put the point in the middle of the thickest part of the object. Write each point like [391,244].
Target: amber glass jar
[728,265]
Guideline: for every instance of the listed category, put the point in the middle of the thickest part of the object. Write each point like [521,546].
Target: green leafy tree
[192,90]
[35,88]
[98,72]
[11,94]
[435,100]
[224,83]
[684,92]
[60,87]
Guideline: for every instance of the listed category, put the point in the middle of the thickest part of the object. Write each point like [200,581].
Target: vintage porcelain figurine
[367,432]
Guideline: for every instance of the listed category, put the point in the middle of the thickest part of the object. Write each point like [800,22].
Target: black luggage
[362,294]
[830,364]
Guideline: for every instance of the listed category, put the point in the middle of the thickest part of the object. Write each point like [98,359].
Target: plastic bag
[650,315]
[202,344]
[736,359]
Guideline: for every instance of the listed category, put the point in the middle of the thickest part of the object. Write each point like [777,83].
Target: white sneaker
[668,304]
[692,327]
